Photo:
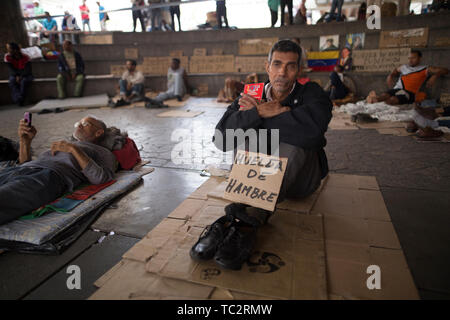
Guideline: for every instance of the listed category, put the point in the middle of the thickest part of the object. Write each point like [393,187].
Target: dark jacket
[64,67]
[304,126]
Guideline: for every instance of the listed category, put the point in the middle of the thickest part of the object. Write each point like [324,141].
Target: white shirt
[135,78]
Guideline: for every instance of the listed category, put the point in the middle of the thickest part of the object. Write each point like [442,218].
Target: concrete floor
[413,176]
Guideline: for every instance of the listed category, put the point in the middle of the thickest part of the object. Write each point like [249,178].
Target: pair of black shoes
[154,104]
[229,240]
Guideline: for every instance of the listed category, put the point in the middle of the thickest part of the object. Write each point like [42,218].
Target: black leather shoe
[238,211]
[236,247]
[207,244]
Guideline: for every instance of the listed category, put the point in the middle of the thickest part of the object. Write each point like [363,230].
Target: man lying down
[61,169]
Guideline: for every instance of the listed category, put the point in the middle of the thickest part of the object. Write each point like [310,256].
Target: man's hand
[62,146]
[26,133]
[247,102]
[271,109]
[431,81]
[17,79]
[129,86]
[73,76]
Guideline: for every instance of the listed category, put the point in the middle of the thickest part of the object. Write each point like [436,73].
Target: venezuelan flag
[323,60]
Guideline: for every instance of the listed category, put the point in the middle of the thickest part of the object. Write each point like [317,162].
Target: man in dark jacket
[70,67]
[300,114]
[20,77]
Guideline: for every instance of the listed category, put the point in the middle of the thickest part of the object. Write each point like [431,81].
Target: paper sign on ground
[255,179]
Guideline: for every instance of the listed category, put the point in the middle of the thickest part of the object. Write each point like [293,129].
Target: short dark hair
[14,46]
[418,52]
[286,45]
[176,60]
[133,62]
[340,67]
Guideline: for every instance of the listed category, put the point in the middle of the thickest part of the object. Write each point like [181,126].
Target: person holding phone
[61,169]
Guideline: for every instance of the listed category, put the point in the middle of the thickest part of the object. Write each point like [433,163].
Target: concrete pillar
[12,26]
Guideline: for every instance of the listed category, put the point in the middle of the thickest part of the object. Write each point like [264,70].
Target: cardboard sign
[131,53]
[176,53]
[202,90]
[199,52]
[217,51]
[404,38]
[160,65]
[118,70]
[255,179]
[256,46]
[96,39]
[211,64]
[250,64]
[377,60]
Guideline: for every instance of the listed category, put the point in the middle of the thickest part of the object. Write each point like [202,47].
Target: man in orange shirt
[411,77]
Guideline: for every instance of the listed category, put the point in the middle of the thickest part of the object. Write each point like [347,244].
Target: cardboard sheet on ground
[341,121]
[179,114]
[96,101]
[288,261]
[255,179]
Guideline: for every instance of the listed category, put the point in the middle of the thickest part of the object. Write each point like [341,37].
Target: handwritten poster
[382,60]
[417,37]
[255,179]
[256,46]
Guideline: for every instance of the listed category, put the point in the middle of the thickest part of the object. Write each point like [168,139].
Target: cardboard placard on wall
[384,60]
[96,39]
[199,52]
[160,65]
[118,70]
[250,64]
[417,37]
[131,53]
[217,51]
[176,53]
[211,64]
[260,46]
[255,179]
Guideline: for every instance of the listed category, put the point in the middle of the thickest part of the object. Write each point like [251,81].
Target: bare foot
[372,97]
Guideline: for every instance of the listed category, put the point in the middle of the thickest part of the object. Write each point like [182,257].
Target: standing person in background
[221,12]
[283,4]
[175,10]
[137,14]
[273,6]
[155,15]
[300,17]
[102,16]
[335,4]
[33,29]
[69,23]
[49,25]
[85,15]
[362,12]
[70,67]
[38,11]
[20,76]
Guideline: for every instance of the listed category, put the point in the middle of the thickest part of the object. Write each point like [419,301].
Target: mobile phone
[255,90]
[27,116]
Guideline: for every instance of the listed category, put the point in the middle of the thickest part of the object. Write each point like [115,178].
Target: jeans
[19,90]
[23,189]
[335,4]
[137,89]
[61,80]
[137,14]
[86,22]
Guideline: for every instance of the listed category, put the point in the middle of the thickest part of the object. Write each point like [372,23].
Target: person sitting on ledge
[61,169]
[131,84]
[301,114]
[176,85]
[20,77]
[411,78]
[70,67]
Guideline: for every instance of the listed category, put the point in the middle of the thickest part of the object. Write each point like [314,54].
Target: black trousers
[283,4]
[274,16]
[221,12]
[338,89]
[137,14]
[175,10]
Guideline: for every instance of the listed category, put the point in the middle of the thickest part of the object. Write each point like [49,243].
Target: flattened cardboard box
[131,53]
[417,37]
[260,46]
[160,65]
[379,60]
[288,262]
[250,64]
[211,64]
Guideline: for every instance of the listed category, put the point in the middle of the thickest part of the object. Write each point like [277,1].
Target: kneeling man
[57,171]
[301,113]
